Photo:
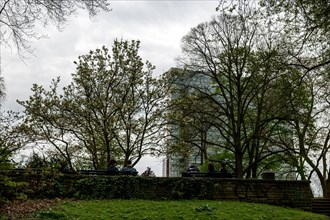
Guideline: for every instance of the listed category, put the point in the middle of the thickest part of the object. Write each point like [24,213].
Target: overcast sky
[159,25]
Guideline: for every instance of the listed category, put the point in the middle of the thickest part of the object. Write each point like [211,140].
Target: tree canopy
[19,17]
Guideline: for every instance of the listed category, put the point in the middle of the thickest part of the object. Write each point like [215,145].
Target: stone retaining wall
[286,193]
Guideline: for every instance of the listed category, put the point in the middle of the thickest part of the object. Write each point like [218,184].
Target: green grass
[189,209]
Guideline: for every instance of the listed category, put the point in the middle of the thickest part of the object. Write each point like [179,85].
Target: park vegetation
[252,87]
[141,209]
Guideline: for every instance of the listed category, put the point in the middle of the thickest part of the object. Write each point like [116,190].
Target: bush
[192,189]
[127,187]
[46,184]
[32,183]
[102,187]
[11,190]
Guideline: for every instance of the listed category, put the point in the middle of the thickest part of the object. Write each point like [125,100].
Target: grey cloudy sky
[159,25]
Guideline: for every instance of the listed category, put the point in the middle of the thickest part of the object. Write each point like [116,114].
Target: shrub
[11,190]
[103,187]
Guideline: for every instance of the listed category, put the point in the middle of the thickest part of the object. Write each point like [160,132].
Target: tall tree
[311,128]
[309,59]
[243,62]
[111,109]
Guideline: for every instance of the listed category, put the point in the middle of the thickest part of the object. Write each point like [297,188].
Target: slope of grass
[190,209]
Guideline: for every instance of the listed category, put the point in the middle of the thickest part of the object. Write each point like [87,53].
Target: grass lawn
[188,209]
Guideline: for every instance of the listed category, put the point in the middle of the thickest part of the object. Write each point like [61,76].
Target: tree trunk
[108,154]
[326,190]
[254,170]
[239,164]
[249,170]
